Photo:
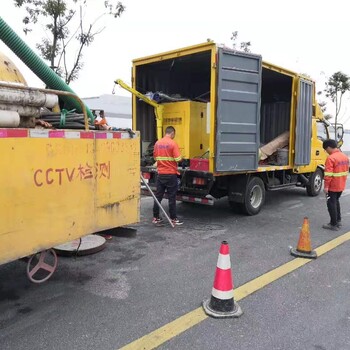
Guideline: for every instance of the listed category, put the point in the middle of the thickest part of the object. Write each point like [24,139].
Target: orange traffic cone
[304,244]
[221,304]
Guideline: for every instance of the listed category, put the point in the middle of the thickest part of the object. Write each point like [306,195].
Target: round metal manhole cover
[89,245]
[208,227]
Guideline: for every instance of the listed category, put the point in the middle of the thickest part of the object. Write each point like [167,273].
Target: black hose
[70,121]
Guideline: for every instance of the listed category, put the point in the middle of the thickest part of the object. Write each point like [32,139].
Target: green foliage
[323,106]
[57,18]
[336,86]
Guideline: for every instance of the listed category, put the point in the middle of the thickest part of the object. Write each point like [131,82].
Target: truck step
[278,187]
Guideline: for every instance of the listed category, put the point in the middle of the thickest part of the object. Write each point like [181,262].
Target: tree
[323,106]
[336,86]
[64,22]
[243,45]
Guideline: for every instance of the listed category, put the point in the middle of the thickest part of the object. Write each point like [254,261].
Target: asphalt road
[149,276]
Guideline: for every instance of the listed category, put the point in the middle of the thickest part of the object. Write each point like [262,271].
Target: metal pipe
[28,98]
[23,111]
[57,92]
[9,119]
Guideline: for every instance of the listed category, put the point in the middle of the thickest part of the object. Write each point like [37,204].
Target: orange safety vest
[336,172]
[167,154]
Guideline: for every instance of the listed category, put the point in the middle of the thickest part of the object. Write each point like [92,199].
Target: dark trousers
[168,183]
[333,206]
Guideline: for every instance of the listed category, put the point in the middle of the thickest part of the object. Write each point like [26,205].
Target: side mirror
[340,132]
[339,135]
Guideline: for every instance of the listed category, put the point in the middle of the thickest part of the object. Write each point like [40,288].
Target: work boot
[157,221]
[330,227]
[177,222]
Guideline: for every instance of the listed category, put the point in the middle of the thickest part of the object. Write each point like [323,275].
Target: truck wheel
[254,197]
[315,183]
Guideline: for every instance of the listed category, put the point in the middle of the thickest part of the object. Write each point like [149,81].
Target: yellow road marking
[187,321]
[323,249]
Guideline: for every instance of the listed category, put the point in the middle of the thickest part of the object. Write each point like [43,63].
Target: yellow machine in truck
[244,126]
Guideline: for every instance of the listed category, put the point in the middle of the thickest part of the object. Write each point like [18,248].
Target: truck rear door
[303,123]
[238,111]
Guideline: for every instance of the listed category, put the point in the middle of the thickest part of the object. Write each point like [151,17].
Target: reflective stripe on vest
[172,159]
[345,173]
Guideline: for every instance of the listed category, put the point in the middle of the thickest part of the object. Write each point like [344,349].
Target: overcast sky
[307,36]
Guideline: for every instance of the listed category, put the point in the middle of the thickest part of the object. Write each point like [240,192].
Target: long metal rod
[156,200]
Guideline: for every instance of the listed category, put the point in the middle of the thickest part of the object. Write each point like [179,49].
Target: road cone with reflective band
[303,249]
[221,304]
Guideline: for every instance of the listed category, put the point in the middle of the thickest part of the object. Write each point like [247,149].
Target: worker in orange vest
[167,154]
[335,175]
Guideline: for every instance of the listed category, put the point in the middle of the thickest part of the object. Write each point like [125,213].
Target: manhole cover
[89,245]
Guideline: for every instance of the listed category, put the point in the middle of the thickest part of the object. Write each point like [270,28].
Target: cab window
[322,133]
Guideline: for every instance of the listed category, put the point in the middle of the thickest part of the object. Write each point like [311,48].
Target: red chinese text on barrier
[82,172]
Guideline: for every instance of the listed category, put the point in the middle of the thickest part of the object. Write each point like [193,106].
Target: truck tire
[254,197]
[315,183]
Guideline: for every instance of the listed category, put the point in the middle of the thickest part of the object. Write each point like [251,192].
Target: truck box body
[249,103]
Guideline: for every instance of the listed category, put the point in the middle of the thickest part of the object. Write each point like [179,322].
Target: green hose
[38,66]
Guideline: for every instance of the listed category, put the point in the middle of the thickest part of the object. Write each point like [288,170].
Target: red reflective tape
[223,280]
[117,135]
[224,249]
[193,199]
[146,176]
[56,134]
[17,133]
[86,135]
[101,135]
[13,133]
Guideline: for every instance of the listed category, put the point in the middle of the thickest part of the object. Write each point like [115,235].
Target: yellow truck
[58,184]
[244,126]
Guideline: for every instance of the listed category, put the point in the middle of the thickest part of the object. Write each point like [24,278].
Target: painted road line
[167,332]
[323,249]
[187,321]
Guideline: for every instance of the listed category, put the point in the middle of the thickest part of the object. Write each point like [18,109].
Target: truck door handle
[317,153]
